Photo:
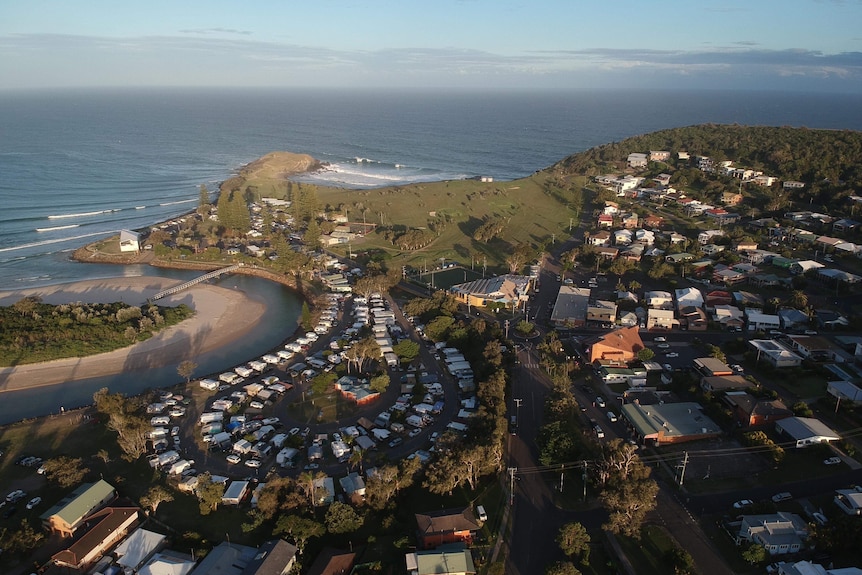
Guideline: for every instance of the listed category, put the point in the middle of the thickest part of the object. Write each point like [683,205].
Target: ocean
[79,165]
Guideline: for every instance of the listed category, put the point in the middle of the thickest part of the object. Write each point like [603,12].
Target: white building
[130,241]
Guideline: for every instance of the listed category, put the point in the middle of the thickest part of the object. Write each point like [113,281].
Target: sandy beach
[222,317]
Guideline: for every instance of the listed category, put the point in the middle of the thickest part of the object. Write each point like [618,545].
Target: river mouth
[283,307]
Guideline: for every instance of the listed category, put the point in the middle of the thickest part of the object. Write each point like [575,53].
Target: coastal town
[673,386]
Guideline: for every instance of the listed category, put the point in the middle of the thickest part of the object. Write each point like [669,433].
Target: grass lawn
[647,555]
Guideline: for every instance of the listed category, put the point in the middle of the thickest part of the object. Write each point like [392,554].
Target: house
[605,221]
[674,238]
[802,266]
[815,348]
[792,318]
[636,160]
[611,208]
[718,297]
[506,289]
[709,236]
[711,367]
[324,491]
[438,528]
[607,253]
[664,423]
[659,156]
[829,319]
[103,530]
[659,299]
[780,533]
[662,180]
[806,431]
[138,547]
[629,221]
[65,517]
[235,492]
[678,258]
[746,246]
[727,276]
[712,249]
[130,241]
[168,563]
[724,383]
[453,559]
[792,185]
[693,318]
[353,486]
[765,181]
[600,238]
[653,221]
[226,559]
[688,297]
[844,390]
[661,319]
[845,225]
[570,308]
[728,316]
[731,198]
[744,299]
[276,557]
[849,501]
[602,311]
[750,411]
[633,252]
[774,353]
[620,345]
[623,237]
[646,237]
[333,562]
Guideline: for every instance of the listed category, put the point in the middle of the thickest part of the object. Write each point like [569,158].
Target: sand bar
[222,317]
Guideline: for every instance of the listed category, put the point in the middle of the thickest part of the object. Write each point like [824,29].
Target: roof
[713,366]
[226,559]
[105,523]
[168,563]
[669,419]
[571,304]
[80,502]
[272,558]
[800,428]
[332,562]
[135,548]
[444,560]
[447,521]
[506,287]
[723,382]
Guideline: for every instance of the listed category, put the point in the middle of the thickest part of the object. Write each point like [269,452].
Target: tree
[681,561]
[798,299]
[562,568]
[209,493]
[525,328]
[311,237]
[299,529]
[438,328]
[203,200]
[65,471]
[755,554]
[321,382]
[342,518]
[123,418]
[27,305]
[23,540]
[406,349]
[646,354]
[362,351]
[628,504]
[186,369]
[715,351]
[574,540]
[380,383]
[155,496]
[305,319]
[518,258]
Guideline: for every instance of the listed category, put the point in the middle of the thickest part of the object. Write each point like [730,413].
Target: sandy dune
[223,316]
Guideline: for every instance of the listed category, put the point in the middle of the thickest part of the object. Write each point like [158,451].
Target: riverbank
[222,316]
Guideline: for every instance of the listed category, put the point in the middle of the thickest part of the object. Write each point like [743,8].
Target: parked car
[832,461]
[255,405]
[663,345]
[396,442]
[743,503]
[234,458]
[16,495]
[415,432]
[783,496]
[34,502]
[253,463]
[660,339]
[671,354]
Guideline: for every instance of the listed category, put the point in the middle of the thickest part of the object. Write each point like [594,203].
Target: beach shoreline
[222,316]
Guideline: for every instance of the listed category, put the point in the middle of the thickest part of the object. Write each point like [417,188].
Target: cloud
[207,31]
[214,55]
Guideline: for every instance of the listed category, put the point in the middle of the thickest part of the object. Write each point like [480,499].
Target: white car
[783,496]
[255,405]
[415,432]
[34,502]
[600,401]
[671,354]
[253,463]
[743,503]
[660,339]
[612,416]
[293,431]
[234,458]
[832,461]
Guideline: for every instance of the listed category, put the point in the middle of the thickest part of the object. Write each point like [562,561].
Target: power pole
[584,479]
[562,474]
[682,466]
[512,485]
[506,325]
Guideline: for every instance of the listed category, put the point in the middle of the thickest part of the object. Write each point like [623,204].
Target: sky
[804,45]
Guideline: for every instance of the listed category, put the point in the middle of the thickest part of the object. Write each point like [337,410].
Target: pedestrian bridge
[190,283]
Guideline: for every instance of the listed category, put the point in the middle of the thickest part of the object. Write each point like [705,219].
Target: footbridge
[197,280]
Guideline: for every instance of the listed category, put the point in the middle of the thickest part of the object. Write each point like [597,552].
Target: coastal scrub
[32,331]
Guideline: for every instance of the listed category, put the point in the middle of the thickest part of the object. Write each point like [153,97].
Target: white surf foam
[55,228]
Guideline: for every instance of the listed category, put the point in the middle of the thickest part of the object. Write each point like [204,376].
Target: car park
[832,461]
[743,503]
[234,458]
[34,502]
[783,496]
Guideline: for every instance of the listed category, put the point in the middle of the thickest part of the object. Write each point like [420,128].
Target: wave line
[55,228]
